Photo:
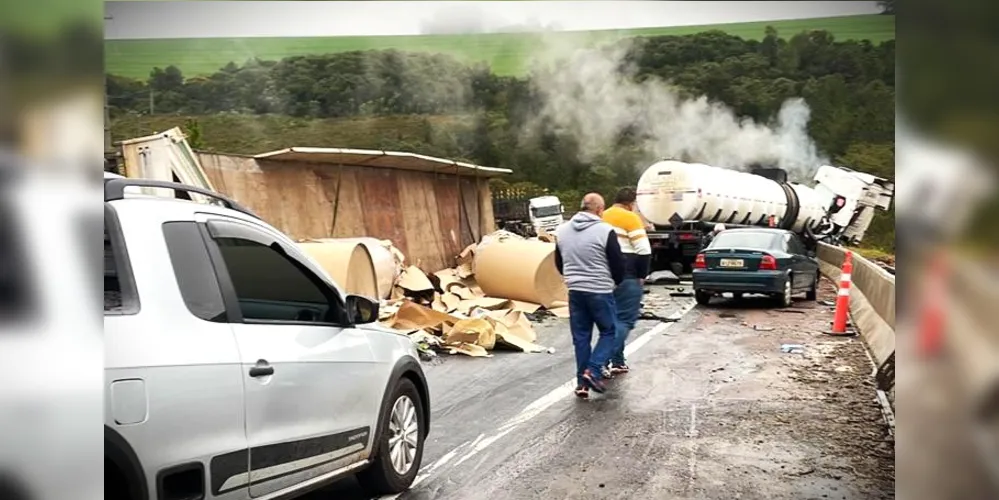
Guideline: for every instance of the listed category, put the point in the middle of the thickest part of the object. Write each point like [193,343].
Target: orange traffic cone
[843,297]
[931,322]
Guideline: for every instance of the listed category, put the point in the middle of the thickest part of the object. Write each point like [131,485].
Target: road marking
[534,409]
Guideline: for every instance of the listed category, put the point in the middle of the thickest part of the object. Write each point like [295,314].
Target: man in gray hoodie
[588,255]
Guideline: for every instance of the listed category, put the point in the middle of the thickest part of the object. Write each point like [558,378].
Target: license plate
[731,263]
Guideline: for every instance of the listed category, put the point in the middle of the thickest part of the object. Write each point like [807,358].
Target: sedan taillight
[768,263]
[699,262]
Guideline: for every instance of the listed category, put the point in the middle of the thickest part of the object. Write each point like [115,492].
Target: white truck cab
[546,213]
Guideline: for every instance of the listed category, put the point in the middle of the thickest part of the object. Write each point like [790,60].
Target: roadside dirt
[848,425]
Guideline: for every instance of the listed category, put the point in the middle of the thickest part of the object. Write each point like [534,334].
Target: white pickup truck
[235,367]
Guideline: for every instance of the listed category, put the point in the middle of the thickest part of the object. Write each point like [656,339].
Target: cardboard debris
[414,316]
[472,331]
[470,350]
[414,280]
[561,312]
[527,307]
[449,311]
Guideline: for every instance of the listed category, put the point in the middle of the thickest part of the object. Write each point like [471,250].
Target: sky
[206,19]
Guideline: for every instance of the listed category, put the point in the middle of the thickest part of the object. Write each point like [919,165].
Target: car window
[271,287]
[193,269]
[16,290]
[120,296]
[750,240]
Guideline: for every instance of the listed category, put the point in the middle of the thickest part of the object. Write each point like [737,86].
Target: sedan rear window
[749,240]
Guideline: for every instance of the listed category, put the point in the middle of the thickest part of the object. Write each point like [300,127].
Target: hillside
[506,53]
[249,134]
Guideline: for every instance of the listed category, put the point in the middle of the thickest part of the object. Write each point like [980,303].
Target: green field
[507,54]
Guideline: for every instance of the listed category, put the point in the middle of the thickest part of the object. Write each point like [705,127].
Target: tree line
[849,86]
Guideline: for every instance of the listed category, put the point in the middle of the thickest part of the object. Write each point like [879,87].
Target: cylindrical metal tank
[697,192]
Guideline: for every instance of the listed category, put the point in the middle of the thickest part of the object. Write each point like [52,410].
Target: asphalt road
[712,409]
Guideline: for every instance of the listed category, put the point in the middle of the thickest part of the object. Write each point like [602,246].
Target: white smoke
[591,95]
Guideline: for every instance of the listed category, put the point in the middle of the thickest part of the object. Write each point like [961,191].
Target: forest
[579,120]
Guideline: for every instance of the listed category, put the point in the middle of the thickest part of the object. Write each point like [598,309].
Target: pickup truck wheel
[703,298]
[399,449]
[813,292]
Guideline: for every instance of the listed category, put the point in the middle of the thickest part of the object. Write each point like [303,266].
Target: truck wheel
[703,298]
[399,449]
[813,292]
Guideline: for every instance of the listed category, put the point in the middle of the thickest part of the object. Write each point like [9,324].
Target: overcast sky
[197,19]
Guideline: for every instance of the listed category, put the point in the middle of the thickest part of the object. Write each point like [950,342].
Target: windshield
[750,240]
[549,211]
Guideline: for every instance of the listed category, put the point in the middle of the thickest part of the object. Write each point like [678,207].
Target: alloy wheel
[404,432]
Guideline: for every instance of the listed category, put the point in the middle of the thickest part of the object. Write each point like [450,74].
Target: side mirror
[361,310]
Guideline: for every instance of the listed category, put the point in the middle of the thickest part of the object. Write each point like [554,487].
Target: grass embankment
[253,134]
[506,53]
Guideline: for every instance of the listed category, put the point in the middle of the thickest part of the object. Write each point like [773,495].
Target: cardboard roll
[348,262]
[521,270]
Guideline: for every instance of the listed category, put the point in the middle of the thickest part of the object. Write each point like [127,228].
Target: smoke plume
[591,95]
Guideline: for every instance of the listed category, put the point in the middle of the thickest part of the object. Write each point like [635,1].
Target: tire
[703,298]
[382,477]
[785,299]
[813,292]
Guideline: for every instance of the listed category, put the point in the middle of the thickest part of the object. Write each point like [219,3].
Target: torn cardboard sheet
[414,316]
[414,280]
[465,258]
[527,307]
[560,312]
[472,331]
[473,350]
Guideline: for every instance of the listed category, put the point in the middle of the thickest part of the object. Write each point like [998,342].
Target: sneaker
[619,369]
[582,392]
[595,383]
[607,372]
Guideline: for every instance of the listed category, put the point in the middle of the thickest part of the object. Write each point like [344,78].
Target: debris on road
[486,302]
[763,328]
[655,317]
[663,277]
[790,310]
[792,348]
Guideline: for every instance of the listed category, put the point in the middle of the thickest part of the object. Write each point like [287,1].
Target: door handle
[262,369]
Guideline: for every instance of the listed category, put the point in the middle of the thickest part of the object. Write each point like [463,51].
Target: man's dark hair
[625,196]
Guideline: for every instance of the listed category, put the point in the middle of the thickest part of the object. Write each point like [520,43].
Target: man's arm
[615,258]
[558,260]
[643,248]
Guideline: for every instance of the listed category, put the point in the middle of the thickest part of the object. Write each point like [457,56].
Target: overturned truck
[684,201]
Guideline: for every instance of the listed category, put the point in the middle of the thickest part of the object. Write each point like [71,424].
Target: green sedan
[766,261]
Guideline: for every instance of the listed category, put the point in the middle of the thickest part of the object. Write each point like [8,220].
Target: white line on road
[532,410]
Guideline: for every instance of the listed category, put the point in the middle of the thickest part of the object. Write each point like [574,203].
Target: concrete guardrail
[872,308]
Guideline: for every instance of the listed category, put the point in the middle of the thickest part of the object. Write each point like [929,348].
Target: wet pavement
[712,409]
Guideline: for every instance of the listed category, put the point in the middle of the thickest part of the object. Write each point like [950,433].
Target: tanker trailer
[685,200]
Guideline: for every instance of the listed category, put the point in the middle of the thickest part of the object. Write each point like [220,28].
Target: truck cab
[546,213]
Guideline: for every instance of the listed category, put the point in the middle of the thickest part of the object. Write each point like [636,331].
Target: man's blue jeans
[628,297]
[585,310]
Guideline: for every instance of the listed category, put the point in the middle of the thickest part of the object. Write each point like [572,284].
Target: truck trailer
[684,201]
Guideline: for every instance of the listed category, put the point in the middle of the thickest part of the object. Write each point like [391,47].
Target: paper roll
[347,262]
[520,270]
[386,268]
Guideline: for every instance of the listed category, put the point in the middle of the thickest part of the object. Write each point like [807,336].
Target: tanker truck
[683,202]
